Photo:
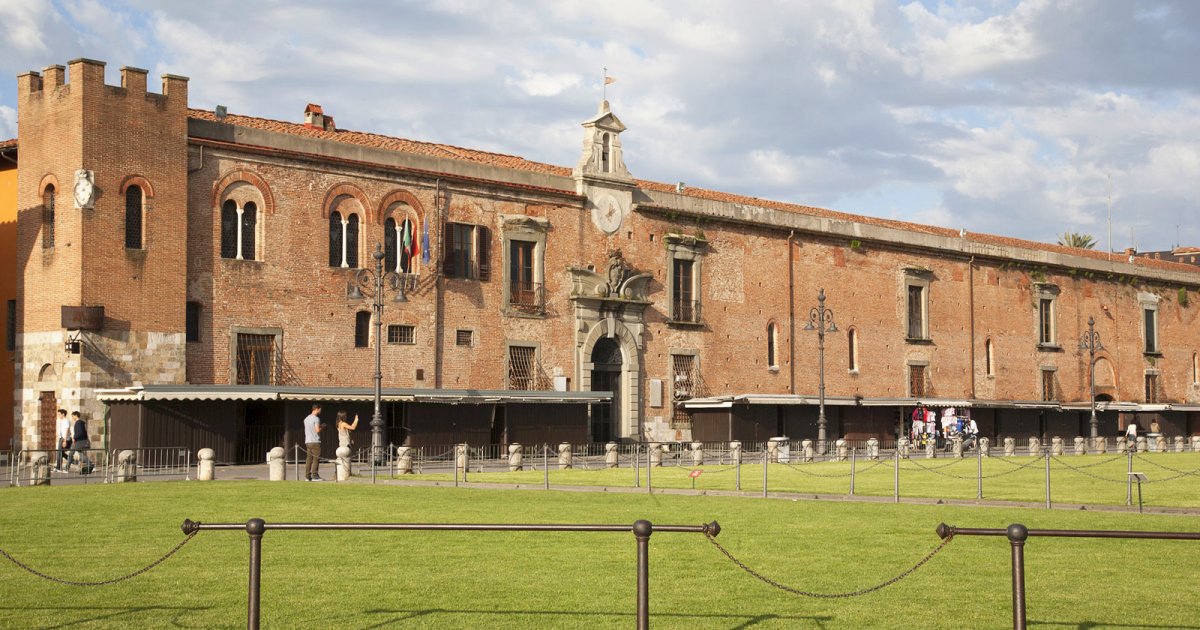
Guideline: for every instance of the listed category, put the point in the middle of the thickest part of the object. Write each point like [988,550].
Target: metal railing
[154,461]
[524,296]
[642,530]
[26,469]
[686,311]
[1017,534]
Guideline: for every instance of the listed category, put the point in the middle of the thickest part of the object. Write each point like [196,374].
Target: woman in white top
[344,428]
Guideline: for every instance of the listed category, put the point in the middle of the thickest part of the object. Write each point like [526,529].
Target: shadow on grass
[739,621]
[1092,625]
[74,615]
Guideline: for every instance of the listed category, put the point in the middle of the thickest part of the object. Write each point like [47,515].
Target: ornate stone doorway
[606,376]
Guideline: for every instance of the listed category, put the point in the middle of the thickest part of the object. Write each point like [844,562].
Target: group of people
[312,439]
[72,437]
[930,427]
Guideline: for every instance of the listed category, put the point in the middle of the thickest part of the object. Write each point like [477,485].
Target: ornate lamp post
[821,320]
[1090,341]
[373,284]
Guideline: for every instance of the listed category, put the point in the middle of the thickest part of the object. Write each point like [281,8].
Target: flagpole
[604,85]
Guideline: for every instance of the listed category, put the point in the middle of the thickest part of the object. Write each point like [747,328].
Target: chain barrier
[102,582]
[937,470]
[800,469]
[803,593]
[1086,473]
[1182,473]
[931,468]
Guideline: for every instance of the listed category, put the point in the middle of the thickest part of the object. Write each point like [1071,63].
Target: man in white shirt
[312,442]
[63,439]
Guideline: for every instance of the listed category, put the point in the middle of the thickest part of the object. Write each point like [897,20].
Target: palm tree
[1077,239]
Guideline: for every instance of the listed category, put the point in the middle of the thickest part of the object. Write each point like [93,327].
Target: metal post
[821,319]
[737,475]
[766,459]
[1017,534]
[1139,495]
[546,465]
[650,469]
[454,463]
[1129,478]
[853,454]
[642,530]
[295,462]
[1091,343]
[1047,480]
[637,466]
[896,477]
[978,471]
[254,528]
[377,415]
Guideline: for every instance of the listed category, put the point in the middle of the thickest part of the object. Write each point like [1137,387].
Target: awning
[358,394]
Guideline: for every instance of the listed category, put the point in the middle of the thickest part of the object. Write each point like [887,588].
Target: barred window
[362,329]
[462,337]
[1151,388]
[521,367]
[48,218]
[256,359]
[916,381]
[238,226]
[401,334]
[229,229]
[133,217]
[1048,393]
[683,369]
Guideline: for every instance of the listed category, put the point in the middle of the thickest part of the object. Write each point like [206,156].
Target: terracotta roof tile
[518,163]
[8,144]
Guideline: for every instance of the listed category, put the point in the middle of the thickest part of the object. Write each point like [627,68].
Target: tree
[1077,239]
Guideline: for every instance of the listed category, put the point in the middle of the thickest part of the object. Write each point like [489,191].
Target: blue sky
[1001,116]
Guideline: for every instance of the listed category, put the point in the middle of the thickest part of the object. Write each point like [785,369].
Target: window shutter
[485,265]
[448,250]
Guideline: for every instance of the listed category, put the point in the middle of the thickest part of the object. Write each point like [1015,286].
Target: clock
[607,213]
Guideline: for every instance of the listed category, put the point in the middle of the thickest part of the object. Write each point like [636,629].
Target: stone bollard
[126,466]
[564,456]
[205,469]
[41,469]
[873,449]
[1160,443]
[1010,447]
[697,453]
[1080,446]
[516,453]
[1035,447]
[1178,443]
[1196,443]
[341,464]
[956,446]
[735,452]
[1056,446]
[276,465]
[773,451]
[985,446]
[611,457]
[809,452]
[903,446]
[843,450]
[1141,443]
[1099,445]
[930,450]
[655,454]
[1122,444]
[460,458]
[404,454]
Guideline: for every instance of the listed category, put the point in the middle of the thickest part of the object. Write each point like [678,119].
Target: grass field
[1087,479]
[566,580]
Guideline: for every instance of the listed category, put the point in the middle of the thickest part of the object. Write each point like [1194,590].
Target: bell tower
[601,175]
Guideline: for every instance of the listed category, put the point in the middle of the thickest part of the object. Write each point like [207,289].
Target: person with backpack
[80,443]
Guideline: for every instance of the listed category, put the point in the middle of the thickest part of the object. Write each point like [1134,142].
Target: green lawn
[566,580]
[1085,479]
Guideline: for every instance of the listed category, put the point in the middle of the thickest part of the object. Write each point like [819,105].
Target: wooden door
[47,428]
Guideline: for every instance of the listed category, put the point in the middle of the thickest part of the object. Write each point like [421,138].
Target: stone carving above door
[619,282]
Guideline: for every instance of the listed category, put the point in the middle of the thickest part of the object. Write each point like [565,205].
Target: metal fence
[159,461]
[34,466]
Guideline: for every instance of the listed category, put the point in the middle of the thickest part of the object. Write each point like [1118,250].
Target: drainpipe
[791,312]
[971,310]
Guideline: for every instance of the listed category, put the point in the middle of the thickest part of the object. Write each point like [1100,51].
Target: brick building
[209,266]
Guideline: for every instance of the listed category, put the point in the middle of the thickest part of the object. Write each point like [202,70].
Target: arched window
[352,241]
[133,217]
[362,329]
[336,246]
[989,365]
[343,240]
[229,229]
[389,244]
[48,218]
[605,154]
[771,354]
[401,243]
[852,347]
[249,229]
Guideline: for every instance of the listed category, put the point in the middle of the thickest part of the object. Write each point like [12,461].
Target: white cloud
[8,122]
[22,21]
[543,84]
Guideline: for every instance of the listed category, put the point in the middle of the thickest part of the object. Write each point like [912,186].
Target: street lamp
[1091,342]
[373,284]
[820,319]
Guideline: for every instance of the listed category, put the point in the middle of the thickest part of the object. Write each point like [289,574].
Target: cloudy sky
[1001,116]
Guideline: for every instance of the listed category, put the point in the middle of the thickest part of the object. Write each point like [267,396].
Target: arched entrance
[606,376]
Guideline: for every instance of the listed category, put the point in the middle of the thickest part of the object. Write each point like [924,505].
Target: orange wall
[8,291]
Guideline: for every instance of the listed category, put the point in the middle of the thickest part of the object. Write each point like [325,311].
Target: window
[988,366]
[10,326]
[192,324]
[523,250]
[523,292]
[771,359]
[238,225]
[684,380]
[362,329]
[1048,392]
[466,252]
[462,338]
[916,381]
[916,312]
[401,334]
[1046,321]
[852,349]
[48,218]
[400,246]
[1150,322]
[605,152]
[133,217]
[257,362]
[343,240]
[521,367]
[1151,388]
[916,303]
[685,254]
